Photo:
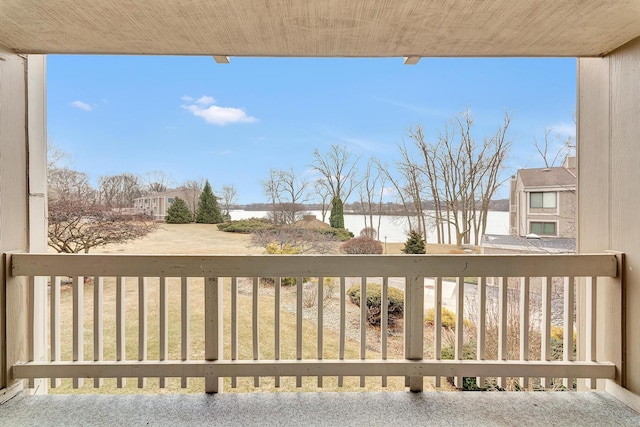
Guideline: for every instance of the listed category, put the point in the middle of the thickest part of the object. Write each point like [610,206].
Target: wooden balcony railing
[497,280]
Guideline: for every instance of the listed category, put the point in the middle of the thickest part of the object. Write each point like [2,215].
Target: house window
[543,228]
[540,200]
[170,200]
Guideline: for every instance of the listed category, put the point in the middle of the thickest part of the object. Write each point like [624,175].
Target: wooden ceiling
[322,28]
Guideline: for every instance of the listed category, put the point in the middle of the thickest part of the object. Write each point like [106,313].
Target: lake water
[394,228]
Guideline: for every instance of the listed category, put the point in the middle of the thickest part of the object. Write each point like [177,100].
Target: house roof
[328,28]
[547,177]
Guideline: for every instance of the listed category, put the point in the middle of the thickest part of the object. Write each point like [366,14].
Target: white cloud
[205,100]
[563,129]
[218,115]
[81,105]
[187,98]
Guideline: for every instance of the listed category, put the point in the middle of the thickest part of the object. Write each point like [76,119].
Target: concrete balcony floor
[322,409]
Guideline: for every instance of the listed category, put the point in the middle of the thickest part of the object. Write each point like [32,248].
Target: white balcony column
[23,226]
[37,179]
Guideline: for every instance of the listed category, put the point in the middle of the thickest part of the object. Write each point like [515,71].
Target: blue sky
[229,123]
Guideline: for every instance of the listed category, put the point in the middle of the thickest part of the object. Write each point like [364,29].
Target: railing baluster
[213,321]
[415,288]
[163,304]
[255,323]
[363,323]
[437,324]
[78,324]
[320,322]
[298,326]
[276,350]
[234,325]
[54,324]
[503,301]
[121,312]
[142,325]
[524,324]
[407,324]
[459,349]
[384,323]
[591,319]
[343,297]
[98,328]
[567,344]
[185,282]
[545,352]
[482,331]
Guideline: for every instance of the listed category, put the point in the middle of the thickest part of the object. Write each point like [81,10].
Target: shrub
[414,244]
[448,319]
[178,212]
[338,233]
[361,245]
[247,226]
[374,301]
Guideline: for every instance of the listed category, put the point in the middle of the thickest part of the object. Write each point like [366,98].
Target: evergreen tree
[414,244]
[336,219]
[208,209]
[179,212]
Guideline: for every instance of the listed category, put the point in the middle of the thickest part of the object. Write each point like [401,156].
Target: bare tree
[56,157]
[65,183]
[157,182]
[119,191]
[287,193]
[229,194]
[322,191]
[461,175]
[77,226]
[371,190]
[191,191]
[77,219]
[271,188]
[398,187]
[552,149]
[339,170]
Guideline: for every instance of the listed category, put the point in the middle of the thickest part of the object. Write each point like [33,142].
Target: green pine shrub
[208,209]
[415,244]
[336,218]
[179,212]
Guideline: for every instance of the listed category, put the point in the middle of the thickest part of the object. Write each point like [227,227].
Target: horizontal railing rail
[583,265]
[501,302]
